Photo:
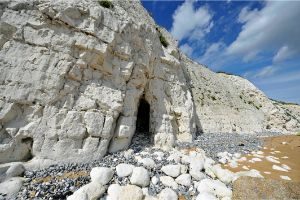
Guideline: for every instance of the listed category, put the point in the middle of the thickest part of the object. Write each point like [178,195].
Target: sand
[280,159]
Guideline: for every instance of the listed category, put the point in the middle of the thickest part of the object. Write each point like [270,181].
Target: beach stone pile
[164,175]
[141,172]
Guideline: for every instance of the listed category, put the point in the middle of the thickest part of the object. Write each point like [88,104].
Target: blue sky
[259,40]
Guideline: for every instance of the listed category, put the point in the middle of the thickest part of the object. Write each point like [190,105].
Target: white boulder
[117,192]
[124,169]
[140,177]
[171,170]
[184,179]
[215,187]
[206,196]
[101,175]
[15,170]
[168,181]
[196,166]
[167,194]
[147,162]
[91,191]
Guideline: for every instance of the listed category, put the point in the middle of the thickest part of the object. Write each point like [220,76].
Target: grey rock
[15,170]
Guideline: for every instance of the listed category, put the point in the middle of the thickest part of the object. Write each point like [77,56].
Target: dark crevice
[29,142]
[143,117]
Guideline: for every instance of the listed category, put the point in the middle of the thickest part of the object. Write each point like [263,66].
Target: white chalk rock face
[101,175]
[140,177]
[71,86]
[124,169]
[167,194]
[171,170]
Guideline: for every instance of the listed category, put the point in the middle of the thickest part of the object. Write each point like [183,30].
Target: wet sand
[283,149]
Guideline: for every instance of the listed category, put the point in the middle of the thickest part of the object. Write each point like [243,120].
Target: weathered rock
[15,170]
[196,166]
[140,177]
[258,188]
[117,192]
[91,191]
[101,175]
[171,170]
[215,187]
[167,194]
[147,162]
[124,169]
[223,175]
[206,196]
[73,74]
[168,181]
[11,187]
[184,179]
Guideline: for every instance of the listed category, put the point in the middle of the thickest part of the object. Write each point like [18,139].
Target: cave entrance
[143,117]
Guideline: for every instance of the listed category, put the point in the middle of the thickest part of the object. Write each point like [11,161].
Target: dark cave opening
[143,117]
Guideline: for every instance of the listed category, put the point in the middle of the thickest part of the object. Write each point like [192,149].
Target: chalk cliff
[73,73]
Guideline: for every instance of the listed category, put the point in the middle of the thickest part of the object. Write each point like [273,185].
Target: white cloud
[246,15]
[274,26]
[214,56]
[191,23]
[283,54]
[187,49]
[265,72]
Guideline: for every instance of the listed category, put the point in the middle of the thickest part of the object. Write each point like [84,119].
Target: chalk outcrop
[72,74]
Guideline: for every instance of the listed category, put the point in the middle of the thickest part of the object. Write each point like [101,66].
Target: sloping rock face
[228,103]
[72,74]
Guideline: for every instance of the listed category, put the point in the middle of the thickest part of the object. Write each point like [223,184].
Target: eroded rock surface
[72,74]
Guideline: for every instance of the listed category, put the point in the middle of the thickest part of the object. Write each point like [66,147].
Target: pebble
[285,178]
[276,167]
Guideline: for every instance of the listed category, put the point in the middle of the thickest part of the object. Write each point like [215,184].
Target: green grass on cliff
[298,134]
[162,38]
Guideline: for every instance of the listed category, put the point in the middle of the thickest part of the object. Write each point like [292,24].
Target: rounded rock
[171,170]
[184,179]
[167,194]
[101,175]
[140,177]
[124,170]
